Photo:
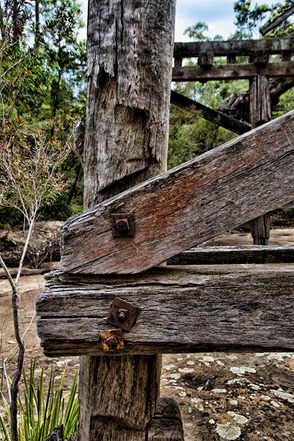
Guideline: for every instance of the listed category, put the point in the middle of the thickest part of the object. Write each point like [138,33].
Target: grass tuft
[41,410]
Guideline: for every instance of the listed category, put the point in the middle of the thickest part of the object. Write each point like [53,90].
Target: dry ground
[222,396]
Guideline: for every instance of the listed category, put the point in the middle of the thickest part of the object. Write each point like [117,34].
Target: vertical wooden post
[260,113]
[130,49]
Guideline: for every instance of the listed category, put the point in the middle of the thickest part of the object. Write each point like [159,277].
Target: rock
[44,245]
[228,431]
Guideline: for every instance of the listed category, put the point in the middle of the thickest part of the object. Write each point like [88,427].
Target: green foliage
[285,103]
[14,15]
[41,411]
[250,18]
[197,32]
[30,174]
[42,80]
[191,135]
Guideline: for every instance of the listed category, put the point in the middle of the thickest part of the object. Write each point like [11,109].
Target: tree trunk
[260,113]
[130,48]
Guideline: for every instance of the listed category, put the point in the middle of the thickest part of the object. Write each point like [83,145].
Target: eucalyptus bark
[130,47]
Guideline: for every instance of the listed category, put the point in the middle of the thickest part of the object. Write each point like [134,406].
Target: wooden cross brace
[220,190]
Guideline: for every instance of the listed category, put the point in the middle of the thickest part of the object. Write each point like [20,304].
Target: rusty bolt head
[123,225]
[112,339]
[122,314]
[111,342]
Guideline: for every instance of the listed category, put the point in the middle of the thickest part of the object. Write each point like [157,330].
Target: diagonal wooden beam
[211,115]
[277,21]
[221,189]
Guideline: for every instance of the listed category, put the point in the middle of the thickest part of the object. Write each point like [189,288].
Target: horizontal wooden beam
[219,190]
[217,255]
[233,71]
[235,47]
[211,115]
[182,309]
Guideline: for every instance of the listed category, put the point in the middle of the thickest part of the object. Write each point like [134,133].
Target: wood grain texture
[165,425]
[187,205]
[260,113]
[130,46]
[233,71]
[116,398]
[183,309]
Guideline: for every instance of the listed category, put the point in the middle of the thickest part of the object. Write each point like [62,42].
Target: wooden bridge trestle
[110,302]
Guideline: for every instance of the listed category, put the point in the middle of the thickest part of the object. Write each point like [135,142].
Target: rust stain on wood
[112,340]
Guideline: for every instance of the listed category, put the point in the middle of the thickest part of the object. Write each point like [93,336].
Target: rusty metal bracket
[122,314]
[123,224]
[112,340]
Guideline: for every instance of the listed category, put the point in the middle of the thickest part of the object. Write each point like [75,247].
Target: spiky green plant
[41,411]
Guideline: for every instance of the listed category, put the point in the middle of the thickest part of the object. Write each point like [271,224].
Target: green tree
[43,75]
[197,32]
[29,179]
[249,18]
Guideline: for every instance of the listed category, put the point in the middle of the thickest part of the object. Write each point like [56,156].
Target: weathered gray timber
[271,46]
[183,309]
[218,255]
[260,101]
[118,409]
[260,113]
[214,116]
[237,105]
[233,71]
[187,205]
[129,74]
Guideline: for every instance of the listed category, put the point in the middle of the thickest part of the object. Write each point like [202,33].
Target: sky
[217,14]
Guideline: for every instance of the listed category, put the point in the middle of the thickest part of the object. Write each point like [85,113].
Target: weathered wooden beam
[188,205]
[260,113]
[217,255]
[214,116]
[183,309]
[277,21]
[235,47]
[233,71]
